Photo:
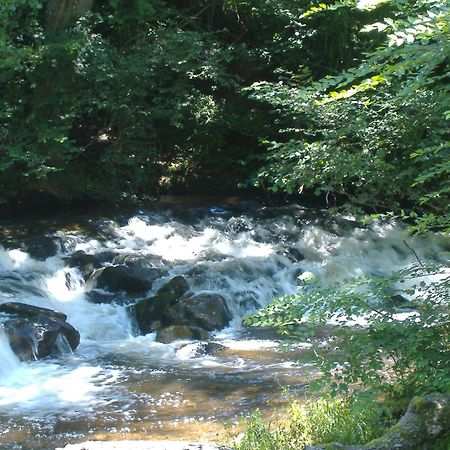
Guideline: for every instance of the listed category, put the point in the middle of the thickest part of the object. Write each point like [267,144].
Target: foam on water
[9,363]
[247,259]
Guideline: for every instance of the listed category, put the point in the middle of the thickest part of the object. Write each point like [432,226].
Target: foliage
[376,135]
[312,97]
[315,422]
[404,354]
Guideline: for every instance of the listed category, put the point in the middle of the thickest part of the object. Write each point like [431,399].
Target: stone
[426,419]
[198,349]
[208,311]
[34,331]
[121,278]
[180,333]
[150,312]
[85,262]
[36,338]
[24,310]
[176,287]
[99,297]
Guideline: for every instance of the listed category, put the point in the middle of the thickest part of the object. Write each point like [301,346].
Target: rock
[71,334]
[197,349]
[208,311]
[99,297]
[121,278]
[176,287]
[426,419]
[138,262]
[84,262]
[294,254]
[237,225]
[36,338]
[181,332]
[24,310]
[33,331]
[150,312]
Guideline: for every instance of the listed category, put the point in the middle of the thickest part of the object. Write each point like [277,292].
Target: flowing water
[121,385]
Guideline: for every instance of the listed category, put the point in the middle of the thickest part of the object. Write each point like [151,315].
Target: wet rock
[198,349]
[137,261]
[85,262]
[30,311]
[208,311]
[34,332]
[121,278]
[294,254]
[99,297]
[237,225]
[181,332]
[150,312]
[176,287]
[400,302]
[71,334]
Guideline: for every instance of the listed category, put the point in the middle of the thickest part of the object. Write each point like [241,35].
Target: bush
[400,354]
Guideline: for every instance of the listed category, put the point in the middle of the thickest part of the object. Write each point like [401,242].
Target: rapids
[120,385]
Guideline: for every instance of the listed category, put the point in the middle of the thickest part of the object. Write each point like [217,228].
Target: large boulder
[181,333]
[176,287]
[36,332]
[29,311]
[121,278]
[208,311]
[151,312]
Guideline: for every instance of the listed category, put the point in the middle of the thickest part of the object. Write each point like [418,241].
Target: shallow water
[120,385]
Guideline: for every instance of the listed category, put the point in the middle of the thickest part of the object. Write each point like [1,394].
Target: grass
[316,422]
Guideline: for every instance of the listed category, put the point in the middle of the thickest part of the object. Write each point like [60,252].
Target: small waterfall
[248,257]
[9,362]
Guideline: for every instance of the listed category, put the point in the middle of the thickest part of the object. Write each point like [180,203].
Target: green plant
[376,135]
[403,355]
[317,421]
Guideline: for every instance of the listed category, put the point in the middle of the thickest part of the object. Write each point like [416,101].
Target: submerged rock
[180,333]
[198,349]
[36,332]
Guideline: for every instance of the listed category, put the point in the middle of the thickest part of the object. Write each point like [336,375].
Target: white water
[249,259]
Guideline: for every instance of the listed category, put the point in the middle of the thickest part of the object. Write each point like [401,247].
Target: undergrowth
[315,422]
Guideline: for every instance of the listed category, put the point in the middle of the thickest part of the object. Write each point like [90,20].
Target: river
[122,385]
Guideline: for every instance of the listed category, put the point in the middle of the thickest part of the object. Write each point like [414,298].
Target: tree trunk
[425,420]
[59,12]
